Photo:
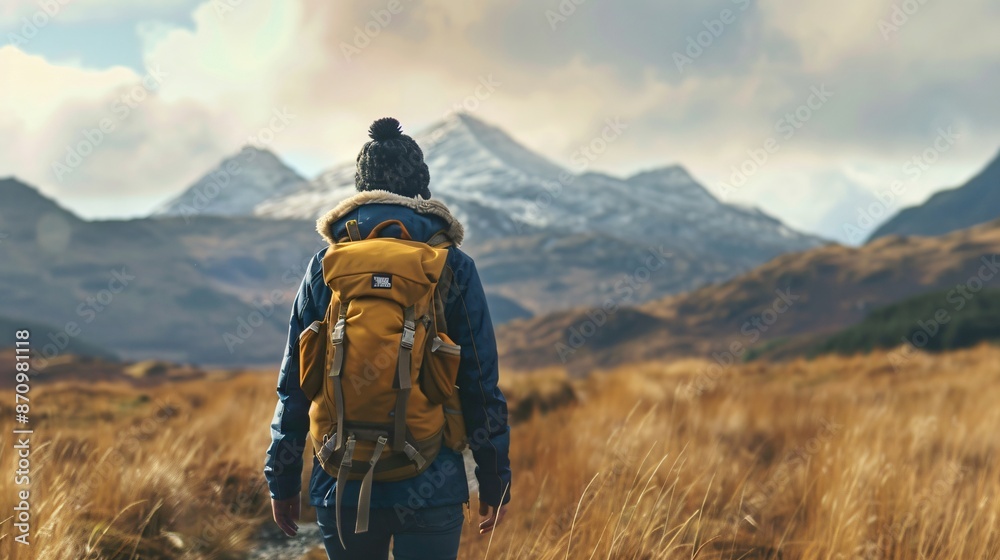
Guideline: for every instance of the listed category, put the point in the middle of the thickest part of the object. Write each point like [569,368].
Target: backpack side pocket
[312,357]
[455,436]
[437,380]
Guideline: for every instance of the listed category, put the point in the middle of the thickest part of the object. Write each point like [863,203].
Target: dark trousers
[424,534]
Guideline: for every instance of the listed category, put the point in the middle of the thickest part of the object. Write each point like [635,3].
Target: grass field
[836,458]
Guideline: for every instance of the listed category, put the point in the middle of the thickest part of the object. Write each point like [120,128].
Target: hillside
[214,290]
[39,340]
[938,321]
[975,202]
[815,292]
[168,288]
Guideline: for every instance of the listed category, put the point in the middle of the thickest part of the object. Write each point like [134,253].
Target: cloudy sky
[803,108]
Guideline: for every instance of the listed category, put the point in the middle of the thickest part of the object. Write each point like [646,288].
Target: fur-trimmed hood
[326,224]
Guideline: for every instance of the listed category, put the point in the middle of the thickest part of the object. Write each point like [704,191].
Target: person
[422,516]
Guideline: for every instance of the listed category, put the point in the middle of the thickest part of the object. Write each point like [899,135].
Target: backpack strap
[329,440]
[353,233]
[345,466]
[442,290]
[337,340]
[403,378]
[365,496]
[440,240]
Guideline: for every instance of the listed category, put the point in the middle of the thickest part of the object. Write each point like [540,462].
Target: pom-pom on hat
[392,162]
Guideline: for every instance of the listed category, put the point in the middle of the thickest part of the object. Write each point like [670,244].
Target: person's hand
[286,513]
[493,515]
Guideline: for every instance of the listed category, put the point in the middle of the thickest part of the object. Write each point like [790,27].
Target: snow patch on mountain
[236,187]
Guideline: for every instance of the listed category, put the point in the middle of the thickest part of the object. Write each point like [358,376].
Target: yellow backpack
[379,368]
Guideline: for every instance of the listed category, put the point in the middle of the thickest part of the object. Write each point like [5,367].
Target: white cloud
[38,89]
[227,76]
[58,122]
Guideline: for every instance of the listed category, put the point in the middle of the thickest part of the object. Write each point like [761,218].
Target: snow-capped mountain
[544,237]
[499,189]
[236,187]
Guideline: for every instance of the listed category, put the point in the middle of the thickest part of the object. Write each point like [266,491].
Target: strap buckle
[338,331]
[347,461]
[414,455]
[327,449]
[409,332]
[345,464]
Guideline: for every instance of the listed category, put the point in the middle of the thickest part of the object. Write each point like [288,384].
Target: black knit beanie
[392,162]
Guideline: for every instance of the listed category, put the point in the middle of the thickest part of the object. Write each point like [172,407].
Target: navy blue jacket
[483,404]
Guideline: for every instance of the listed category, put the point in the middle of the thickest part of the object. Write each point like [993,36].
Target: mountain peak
[236,186]
[255,156]
[462,135]
[669,173]
[673,179]
[22,199]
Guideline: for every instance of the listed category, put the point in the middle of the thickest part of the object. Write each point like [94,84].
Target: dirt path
[274,545]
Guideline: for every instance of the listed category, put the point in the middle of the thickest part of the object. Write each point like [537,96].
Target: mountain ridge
[517,206]
[975,202]
[815,292]
[235,186]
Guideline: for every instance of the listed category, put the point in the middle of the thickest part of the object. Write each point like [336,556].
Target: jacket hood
[331,224]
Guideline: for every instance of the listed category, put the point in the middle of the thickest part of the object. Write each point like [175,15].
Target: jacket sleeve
[290,425]
[483,404]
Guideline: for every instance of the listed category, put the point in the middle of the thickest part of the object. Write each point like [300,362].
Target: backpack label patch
[382,281]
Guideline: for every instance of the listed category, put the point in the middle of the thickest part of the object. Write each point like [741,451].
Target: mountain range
[546,238]
[170,288]
[796,299]
[654,261]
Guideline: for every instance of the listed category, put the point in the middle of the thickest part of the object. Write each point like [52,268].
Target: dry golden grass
[838,458]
